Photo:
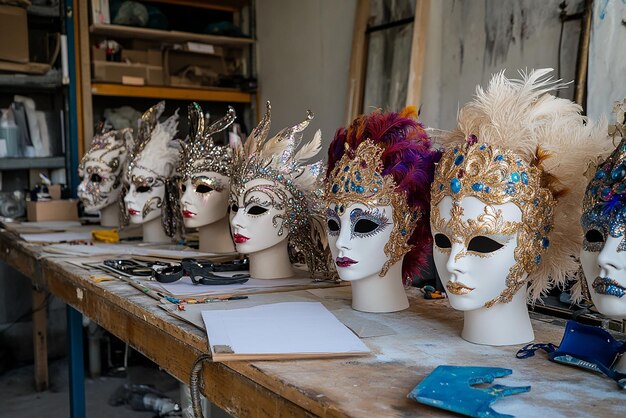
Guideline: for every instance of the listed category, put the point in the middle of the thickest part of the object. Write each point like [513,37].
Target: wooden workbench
[424,336]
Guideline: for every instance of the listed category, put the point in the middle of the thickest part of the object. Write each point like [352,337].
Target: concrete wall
[304,51]
[303,61]
[469,40]
[607,61]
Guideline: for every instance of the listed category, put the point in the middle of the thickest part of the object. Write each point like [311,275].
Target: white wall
[304,52]
[303,61]
[607,60]
[469,40]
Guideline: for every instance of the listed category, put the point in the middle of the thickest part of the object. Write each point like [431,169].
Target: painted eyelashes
[363,223]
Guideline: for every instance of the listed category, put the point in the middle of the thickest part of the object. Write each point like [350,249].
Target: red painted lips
[133,212]
[188,214]
[345,261]
[240,239]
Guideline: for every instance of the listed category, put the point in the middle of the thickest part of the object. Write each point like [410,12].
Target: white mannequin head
[204,198]
[605,275]
[377,204]
[151,166]
[509,185]
[145,196]
[101,169]
[205,170]
[275,199]
[603,256]
[474,249]
[257,216]
[356,237]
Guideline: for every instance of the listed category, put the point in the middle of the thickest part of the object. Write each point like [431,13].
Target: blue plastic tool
[450,388]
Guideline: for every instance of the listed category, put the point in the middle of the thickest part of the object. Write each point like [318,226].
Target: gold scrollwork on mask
[496,177]
[357,178]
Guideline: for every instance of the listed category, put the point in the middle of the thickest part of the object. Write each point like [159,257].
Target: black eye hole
[203,188]
[95,178]
[183,188]
[143,189]
[483,245]
[234,208]
[593,235]
[442,241]
[363,226]
[333,225]
[257,210]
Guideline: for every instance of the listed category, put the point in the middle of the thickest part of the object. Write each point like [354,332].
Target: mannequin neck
[110,216]
[271,263]
[380,294]
[153,232]
[502,324]
[215,237]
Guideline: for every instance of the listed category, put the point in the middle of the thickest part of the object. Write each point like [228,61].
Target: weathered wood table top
[424,336]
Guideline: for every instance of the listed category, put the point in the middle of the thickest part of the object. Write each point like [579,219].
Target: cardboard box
[200,48]
[135,57]
[114,72]
[14,34]
[155,57]
[118,72]
[150,56]
[54,190]
[52,210]
[98,54]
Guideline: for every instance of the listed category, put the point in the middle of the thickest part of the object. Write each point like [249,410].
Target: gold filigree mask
[495,177]
[357,178]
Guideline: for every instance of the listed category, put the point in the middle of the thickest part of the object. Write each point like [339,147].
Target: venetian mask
[380,169]
[490,220]
[603,256]
[257,217]
[152,162]
[101,169]
[205,170]
[504,195]
[275,194]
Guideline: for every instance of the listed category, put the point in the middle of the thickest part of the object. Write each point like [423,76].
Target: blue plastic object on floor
[450,388]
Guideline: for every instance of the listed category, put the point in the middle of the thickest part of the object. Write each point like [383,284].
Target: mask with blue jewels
[504,203]
[377,206]
[603,256]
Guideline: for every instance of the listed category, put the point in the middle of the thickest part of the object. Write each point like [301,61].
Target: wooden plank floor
[425,336]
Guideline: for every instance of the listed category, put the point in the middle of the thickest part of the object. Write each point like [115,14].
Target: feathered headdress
[386,158]
[200,153]
[516,143]
[155,151]
[283,159]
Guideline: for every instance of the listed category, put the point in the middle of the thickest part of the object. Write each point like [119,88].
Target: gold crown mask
[200,153]
[357,178]
[496,177]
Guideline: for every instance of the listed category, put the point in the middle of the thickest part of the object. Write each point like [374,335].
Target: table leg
[77,367]
[40,342]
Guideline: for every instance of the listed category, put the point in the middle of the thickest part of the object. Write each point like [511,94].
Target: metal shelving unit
[10,163]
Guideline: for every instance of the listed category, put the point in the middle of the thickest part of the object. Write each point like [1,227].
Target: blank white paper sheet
[288,330]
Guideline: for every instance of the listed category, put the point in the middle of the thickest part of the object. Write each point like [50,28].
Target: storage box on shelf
[193,65]
[136,67]
[14,34]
